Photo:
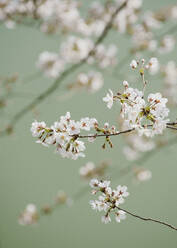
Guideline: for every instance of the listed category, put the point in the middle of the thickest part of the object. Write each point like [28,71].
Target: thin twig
[148,219]
[106,134]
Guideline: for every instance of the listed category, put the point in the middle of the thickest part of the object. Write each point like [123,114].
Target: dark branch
[170,125]
[148,219]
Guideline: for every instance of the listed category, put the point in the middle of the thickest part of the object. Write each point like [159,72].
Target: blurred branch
[59,80]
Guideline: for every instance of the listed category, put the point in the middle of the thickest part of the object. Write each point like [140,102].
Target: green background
[31,173]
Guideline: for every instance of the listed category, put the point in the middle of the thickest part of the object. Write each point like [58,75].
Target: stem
[148,219]
[104,135]
[169,126]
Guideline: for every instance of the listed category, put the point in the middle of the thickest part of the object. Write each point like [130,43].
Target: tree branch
[148,219]
[107,134]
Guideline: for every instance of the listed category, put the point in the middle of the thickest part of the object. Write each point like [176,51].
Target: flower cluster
[142,174]
[152,66]
[58,15]
[143,35]
[63,134]
[54,15]
[51,64]
[147,118]
[90,170]
[62,198]
[29,216]
[91,81]
[74,50]
[167,44]
[128,16]
[136,145]
[109,200]
[104,56]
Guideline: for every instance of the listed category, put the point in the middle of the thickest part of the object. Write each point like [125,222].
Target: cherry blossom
[109,99]
[29,215]
[109,200]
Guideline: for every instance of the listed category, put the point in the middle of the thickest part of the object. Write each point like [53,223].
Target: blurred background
[31,173]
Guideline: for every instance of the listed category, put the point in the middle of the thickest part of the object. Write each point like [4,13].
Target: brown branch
[106,134]
[59,80]
[148,219]
[174,128]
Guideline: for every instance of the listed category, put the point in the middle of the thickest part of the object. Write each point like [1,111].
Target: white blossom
[63,135]
[109,200]
[133,64]
[50,64]
[92,81]
[153,66]
[29,215]
[75,49]
[106,219]
[87,169]
[38,128]
[167,44]
[138,114]
[120,215]
[143,175]
[109,99]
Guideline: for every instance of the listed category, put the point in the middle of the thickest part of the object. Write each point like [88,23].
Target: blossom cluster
[136,145]
[142,174]
[104,56]
[29,215]
[109,201]
[152,66]
[144,37]
[148,118]
[90,170]
[54,15]
[74,50]
[64,15]
[63,134]
[91,81]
